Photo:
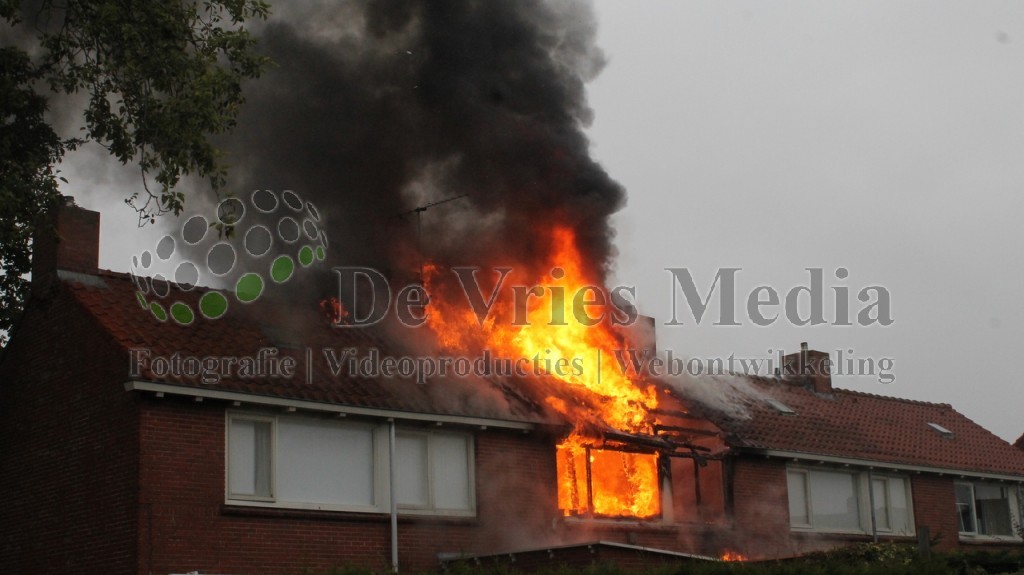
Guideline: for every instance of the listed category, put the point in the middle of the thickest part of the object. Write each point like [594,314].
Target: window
[892,510]
[607,482]
[839,501]
[249,458]
[434,472]
[314,463]
[780,407]
[985,509]
[325,462]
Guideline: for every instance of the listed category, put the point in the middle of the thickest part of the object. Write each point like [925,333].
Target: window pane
[834,501]
[451,472]
[325,462]
[411,485]
[880,494]
[965,507]
[899,510]
[993,508]
[249,453]
[797,482]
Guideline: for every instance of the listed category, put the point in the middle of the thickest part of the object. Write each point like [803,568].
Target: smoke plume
[375,108]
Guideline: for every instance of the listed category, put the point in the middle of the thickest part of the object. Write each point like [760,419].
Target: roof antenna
[419,224]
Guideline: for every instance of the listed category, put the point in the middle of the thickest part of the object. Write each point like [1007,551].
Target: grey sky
[883,137]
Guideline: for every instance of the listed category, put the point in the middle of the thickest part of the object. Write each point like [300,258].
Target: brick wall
[935,508]
[760,509]
[185,526]
[67,448]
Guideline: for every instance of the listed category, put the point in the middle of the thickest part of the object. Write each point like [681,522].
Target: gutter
[817,458]
[307,405]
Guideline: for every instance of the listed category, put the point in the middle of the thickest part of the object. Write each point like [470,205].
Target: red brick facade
[68,447]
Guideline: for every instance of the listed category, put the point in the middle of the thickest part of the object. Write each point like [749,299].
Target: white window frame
[244,497]
[381,468]
[1011,501]
[863,486]
[430,508]
[889,531]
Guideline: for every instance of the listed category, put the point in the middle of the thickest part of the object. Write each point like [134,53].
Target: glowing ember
[334,311]
[733,556]
[614,482]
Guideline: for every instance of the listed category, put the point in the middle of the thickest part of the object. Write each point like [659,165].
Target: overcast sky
[885,138]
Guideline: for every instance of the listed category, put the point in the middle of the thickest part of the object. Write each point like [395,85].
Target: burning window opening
[607,482]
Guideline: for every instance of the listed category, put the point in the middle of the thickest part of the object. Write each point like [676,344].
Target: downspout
[1020,514]
[392,466]
[871,501]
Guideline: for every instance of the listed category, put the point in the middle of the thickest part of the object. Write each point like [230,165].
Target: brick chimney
[67,238]
[809,366]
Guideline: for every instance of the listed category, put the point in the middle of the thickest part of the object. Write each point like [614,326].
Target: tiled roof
[110,298]
[862,426]
[844,424]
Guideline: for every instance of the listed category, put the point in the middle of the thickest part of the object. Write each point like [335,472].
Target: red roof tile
[110,298]
[863,426]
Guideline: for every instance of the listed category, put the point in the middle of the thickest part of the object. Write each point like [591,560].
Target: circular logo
[243,248]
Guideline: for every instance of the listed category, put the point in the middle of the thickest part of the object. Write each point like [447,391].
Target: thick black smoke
[375,108]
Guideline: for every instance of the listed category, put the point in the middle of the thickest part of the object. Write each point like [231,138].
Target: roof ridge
[776,380]
[893,398]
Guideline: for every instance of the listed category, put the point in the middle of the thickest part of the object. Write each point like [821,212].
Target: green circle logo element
[306,256]
[241,249]
[249,288]
[282,268]
[182,313]
[213,305]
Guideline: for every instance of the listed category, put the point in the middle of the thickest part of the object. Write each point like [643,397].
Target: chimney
[66,238]
[809,366]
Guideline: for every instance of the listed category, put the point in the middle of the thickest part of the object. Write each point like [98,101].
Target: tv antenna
[418,210]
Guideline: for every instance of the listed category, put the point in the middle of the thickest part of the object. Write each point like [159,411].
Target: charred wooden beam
[689,430]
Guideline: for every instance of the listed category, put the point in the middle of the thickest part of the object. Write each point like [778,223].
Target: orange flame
[733,556]
[334,311]
[591,480]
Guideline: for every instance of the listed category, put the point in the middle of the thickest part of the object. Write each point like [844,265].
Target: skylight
[781,407]
[941,430]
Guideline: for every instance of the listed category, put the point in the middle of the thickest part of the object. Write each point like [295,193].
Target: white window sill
[978,538]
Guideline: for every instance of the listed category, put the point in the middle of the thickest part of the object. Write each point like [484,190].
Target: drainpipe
[871,501]
[1020,513]
[392,466]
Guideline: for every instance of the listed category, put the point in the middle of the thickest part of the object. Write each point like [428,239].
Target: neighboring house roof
[865,427]
[110,298]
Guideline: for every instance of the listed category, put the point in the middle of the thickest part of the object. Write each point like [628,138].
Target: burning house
[120,458]
[125,448]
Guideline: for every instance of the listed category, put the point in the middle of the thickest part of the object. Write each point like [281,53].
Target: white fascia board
[307,405]
[882,465]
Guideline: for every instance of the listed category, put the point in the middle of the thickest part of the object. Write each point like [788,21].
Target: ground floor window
[848,501]
[319,463]
[434,471]
[985,508]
